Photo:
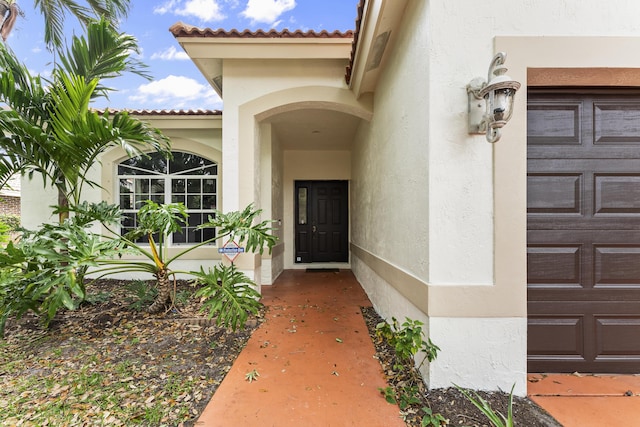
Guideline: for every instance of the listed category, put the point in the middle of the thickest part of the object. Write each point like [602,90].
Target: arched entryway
[300,135]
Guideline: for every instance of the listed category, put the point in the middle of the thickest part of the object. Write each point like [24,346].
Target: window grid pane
[196,187]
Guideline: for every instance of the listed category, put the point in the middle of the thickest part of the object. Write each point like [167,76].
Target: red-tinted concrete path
[588,400]
[314,358]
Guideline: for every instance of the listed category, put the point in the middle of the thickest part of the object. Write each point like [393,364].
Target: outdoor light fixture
[491,101]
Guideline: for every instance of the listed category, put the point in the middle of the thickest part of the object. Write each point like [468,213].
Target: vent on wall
[379,45]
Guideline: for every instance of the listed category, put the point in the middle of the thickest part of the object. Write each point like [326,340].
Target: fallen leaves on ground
[107,364]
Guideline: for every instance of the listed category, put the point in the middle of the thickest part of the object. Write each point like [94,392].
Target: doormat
[323,270]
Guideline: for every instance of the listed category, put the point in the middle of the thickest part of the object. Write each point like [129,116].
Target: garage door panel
[616,123]
[568,335]
[554,265]
[552,193]
[617,337]
[568,295]
[554,123]
[616,266]
[617,194]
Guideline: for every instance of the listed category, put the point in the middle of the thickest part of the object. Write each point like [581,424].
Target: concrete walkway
[314,359]
[588,400]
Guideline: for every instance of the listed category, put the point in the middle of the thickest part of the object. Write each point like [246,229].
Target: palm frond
[114,10]
[54,14]
[102,54]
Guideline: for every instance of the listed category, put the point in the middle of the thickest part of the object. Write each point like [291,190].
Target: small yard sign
[231,250]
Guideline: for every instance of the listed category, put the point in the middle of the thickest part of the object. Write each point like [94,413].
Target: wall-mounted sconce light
[491,101]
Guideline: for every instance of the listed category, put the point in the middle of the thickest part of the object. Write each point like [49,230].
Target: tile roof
[141,112]
[356,36]
[181,29]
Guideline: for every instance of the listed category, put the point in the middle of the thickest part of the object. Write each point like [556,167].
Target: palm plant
[55,11]
[49,128]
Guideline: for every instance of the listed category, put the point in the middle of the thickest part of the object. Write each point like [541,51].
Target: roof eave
[209,48]
[378,28]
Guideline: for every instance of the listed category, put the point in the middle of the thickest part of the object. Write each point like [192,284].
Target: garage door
[583,200]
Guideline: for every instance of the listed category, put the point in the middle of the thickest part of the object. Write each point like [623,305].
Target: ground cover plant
[421,407]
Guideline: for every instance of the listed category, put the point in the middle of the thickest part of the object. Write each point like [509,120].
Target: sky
[176,82]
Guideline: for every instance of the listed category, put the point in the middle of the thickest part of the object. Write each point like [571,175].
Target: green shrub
[13,221]
[407,340]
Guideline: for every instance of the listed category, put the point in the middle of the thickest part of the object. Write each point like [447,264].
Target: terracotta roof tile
[183,30]
[168,112]
[356,35]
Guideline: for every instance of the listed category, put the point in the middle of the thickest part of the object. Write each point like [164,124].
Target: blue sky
[177,83]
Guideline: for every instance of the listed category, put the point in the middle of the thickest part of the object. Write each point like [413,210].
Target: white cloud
[166,7]
[233,4]
[170,54]
[204,10]
[267,11]
[176,92]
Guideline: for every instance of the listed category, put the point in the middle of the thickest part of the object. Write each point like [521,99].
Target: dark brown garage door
[584,232]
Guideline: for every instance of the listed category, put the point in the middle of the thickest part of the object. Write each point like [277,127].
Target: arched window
[186,178]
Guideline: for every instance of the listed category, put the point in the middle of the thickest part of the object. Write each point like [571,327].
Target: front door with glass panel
[322,221]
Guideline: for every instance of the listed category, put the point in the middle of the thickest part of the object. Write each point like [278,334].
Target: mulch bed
[450,402]
[110,363]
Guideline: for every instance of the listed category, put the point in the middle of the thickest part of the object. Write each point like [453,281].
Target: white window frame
[168,195]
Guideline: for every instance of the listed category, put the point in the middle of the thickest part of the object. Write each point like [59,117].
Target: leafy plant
[12,220]
[405,397]
[142,294]
[43,272]
[156,222]
[5,229]
[48,128]
[389,394]
[98,298]
[432,420]
[228,294]
[408,396]
[407,340]
[496,418]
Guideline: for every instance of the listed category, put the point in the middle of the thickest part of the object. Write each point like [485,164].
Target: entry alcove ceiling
[315,129]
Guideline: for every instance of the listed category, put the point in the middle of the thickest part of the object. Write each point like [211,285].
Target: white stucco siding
[271,197]
[35,201]
[460,45]
[390,193]
[479,353]
[246,81]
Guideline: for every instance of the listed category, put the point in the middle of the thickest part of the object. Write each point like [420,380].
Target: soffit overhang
[208,48]
[377,28]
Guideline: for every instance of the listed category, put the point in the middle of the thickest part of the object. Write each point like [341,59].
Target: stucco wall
[271,200]
[245,82]
[465,256]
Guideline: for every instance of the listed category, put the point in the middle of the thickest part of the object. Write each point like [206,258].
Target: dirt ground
[111,363]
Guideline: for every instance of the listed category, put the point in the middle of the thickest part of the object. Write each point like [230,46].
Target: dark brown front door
[583,201]
[322,221]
